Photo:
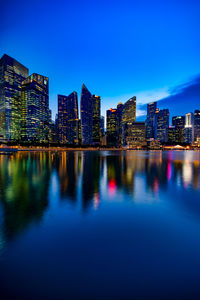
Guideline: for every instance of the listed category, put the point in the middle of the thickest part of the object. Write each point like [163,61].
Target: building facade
[129,111]
[120,107]
[197,125]
[179,123]
[96,120]
[111,126]
[151,109]
[134,134]
[68,119]
[189,128]
[86,116]
[35,109]
[12,73]
[161,125]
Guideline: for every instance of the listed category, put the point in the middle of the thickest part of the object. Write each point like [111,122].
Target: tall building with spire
[35,109]
[68,118]
[12,73]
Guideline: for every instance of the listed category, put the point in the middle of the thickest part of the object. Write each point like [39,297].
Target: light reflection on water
[110,206]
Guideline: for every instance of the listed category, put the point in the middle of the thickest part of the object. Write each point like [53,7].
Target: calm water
[100,225]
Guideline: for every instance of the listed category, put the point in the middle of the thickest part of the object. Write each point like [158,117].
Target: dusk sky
[117,48]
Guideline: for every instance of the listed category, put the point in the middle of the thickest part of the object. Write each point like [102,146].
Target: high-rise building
[161,125]
[62,118]
[197,125]
[90,117]
[111,127]
[172,135]
[79,132]
[86,116]
[96,120]
[129,110]
[102,126]
[12,73]
[68,118]
[120,107]
[179,123]
[35,109]
[189,128]
[134,134]
[151,109]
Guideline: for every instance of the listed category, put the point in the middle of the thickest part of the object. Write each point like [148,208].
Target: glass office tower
[151,109]
[86,116]
[68,118]
[161,125]
[35,109]
[112,138]
[96,120]
[12,73]
[90,117]
[129,110]
[197,125]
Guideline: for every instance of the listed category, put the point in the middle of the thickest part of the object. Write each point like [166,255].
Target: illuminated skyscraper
[35,109]
[112,139]
[189,128]
[197,125]
[129,110]
[68,118]
[172,135]
[12,73]
[96,119]
[151,109]
[86,116]
[134,135]
[90,117]
[161,125]
[120,107]
[102,126]
[179,123]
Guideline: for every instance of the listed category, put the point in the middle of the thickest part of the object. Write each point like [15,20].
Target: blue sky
[117,48]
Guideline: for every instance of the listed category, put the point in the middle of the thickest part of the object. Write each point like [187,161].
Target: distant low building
[134,134]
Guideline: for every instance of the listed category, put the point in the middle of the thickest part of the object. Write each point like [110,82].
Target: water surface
[100,225]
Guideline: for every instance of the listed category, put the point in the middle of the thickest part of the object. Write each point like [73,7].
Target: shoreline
[15,149]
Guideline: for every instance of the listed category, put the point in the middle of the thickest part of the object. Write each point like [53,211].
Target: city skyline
[25,116]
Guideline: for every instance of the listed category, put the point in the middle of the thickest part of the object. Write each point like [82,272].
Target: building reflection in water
[83,177]
[24,182]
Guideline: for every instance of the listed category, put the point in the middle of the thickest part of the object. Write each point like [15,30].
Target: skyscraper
[90,117]
[197,125]
[134,134]
[12,73]
[102,126]
[120,107]
[161,125]
[112,127]
[68,118]
[129,110]
[189,128]
[86,116]
[151,109]
[35,109]
[96,119]
[179,123]
[172,135]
